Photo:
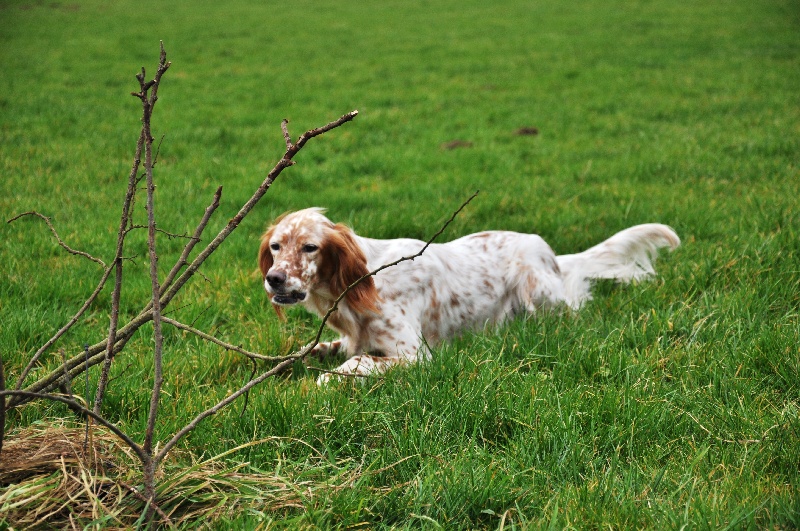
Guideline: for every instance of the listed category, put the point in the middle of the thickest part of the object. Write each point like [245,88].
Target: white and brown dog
[480,279]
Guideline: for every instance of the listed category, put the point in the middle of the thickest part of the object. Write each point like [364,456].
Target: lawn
[667,404]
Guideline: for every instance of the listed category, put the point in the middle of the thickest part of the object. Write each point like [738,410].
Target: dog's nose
[276,279]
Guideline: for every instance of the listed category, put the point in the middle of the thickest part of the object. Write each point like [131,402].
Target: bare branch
[125,220]
[308,135]
[195,239]
[247,394]
[148,96]
[156,289]
[226,346]
[139,496]
[58,238]
[2,405]
[158,148]
[86,390]
[285,129]
[161,296]
[168,234]
[148,102]
[68,384]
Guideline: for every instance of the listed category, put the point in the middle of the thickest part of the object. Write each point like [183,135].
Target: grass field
[667,405]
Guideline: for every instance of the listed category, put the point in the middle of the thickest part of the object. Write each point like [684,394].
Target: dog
[482,279]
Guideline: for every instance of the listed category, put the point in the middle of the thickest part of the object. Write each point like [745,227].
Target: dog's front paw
[325,378]
[322,350]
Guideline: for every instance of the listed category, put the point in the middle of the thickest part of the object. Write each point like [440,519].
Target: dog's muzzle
[287,299]
[276,287]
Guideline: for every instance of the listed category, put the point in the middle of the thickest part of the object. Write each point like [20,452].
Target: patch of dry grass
[53,476]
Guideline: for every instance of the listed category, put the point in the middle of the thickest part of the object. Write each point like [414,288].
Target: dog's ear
[265,262]
[345,263]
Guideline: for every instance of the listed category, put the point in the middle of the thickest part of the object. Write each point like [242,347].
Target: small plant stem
[115,296]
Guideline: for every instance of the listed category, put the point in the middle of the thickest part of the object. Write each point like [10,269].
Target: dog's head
[303,255]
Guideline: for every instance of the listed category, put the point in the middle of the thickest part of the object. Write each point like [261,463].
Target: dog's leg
[388,348]
[331,348]
[362,365]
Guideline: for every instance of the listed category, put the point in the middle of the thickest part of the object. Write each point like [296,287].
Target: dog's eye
[275,246]
[309,248]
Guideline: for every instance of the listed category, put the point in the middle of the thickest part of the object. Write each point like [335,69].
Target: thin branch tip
[59,241]
[286,137]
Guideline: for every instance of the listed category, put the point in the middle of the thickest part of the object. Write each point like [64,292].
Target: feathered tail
[626,256]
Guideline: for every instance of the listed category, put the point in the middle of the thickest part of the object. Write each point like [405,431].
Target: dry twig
[226,346]
[69,249]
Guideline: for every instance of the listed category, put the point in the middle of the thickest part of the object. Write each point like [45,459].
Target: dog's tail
[626,256]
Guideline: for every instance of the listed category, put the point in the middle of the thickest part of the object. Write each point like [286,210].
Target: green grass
[667,404]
